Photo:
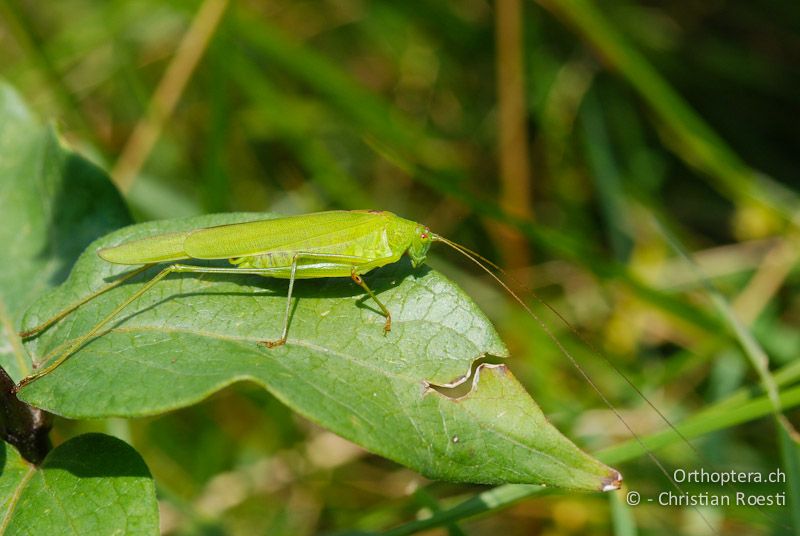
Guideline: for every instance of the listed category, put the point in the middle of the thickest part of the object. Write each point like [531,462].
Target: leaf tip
[611,482]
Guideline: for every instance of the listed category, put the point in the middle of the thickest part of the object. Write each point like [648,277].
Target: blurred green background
[581,148]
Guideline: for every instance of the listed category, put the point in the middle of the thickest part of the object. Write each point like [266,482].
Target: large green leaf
[194,334]
[52,204]
[92,484]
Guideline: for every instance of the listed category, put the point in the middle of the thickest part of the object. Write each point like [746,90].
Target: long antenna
[477,258]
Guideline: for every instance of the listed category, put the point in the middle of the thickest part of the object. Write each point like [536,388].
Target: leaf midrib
[23,483]
[241,340]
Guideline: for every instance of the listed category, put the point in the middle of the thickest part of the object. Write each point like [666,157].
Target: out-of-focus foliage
[681,113]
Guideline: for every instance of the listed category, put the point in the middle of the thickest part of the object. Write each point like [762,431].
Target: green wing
[327,232]
[160,248]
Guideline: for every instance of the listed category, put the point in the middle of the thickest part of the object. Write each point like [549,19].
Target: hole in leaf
[462,386]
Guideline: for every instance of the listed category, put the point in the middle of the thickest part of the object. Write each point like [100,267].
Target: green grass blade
[501,496]
[790,454]
[621,515]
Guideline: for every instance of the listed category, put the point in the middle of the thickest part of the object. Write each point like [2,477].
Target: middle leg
[387,327]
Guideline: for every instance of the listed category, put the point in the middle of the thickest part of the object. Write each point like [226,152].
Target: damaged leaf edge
[451,389]
[612,482]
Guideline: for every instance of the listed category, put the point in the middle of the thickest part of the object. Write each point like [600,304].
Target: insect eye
[424,236]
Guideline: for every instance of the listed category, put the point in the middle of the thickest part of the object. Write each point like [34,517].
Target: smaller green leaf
[92,484]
